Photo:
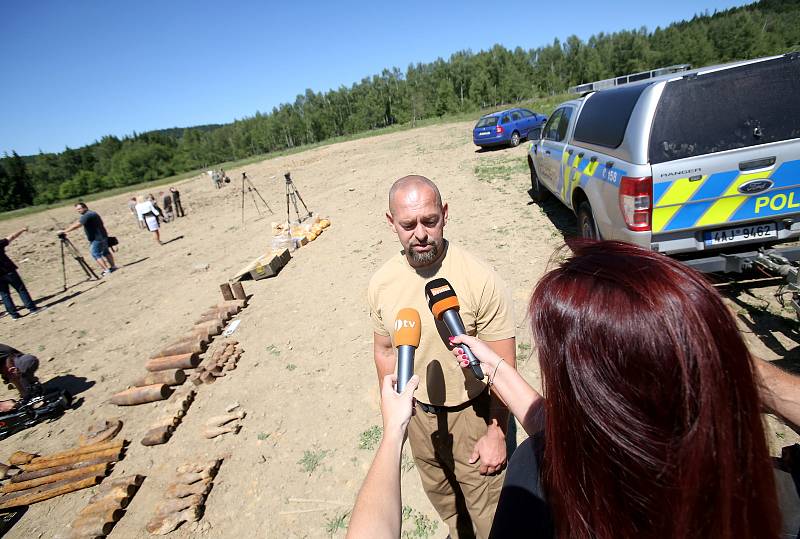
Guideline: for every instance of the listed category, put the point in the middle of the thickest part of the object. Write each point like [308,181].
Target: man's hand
[7,406]
[490,449]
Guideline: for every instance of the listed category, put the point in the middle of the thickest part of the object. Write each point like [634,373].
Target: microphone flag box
[264,266]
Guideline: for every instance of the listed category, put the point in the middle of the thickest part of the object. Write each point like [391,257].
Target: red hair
[653,425]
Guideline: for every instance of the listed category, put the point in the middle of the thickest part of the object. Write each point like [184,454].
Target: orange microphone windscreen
[407,328]
[441,297]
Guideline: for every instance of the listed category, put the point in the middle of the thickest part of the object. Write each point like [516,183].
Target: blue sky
[74,71]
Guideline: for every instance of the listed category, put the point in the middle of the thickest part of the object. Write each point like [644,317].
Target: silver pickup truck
[705,162]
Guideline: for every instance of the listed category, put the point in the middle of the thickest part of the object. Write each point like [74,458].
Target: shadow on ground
[765,324]
[176,238]
[561,216]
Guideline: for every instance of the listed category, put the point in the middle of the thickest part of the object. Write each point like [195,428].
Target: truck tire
[514,142]
[586,226]
[539,193]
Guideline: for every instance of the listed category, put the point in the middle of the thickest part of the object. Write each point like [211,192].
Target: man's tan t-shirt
[485,308]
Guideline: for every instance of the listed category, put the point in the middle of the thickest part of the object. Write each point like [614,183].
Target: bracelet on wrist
[491,378]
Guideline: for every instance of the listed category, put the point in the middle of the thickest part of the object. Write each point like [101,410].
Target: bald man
[457,434]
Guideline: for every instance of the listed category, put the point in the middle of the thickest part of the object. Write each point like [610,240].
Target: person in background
[96,233]
[19,370]
[10,278]
[154,201]
[166,200]
[132,208]
[148,214]
[176,201]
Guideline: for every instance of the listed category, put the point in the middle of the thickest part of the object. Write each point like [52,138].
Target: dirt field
[307,378]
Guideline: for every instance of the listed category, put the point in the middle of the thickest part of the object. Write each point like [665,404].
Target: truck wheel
[586,225]
[514,139]
[539,192]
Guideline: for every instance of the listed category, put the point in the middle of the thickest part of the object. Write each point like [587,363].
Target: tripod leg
[262,198]
[90,274]
[302,202]
[243,201]
[255,204]
[63,266]
[287,203]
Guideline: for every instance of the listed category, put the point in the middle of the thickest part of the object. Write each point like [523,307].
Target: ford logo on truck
[755,186]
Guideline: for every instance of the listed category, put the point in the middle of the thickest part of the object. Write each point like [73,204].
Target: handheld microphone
[406,339]
[443,303]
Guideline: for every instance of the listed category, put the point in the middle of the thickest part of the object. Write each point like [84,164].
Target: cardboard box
[265,266]
[269,265]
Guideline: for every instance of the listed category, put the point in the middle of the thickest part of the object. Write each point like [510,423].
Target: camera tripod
[69,246]
[293,195]
[253,192]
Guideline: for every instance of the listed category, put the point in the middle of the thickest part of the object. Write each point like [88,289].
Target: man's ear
[445,212]
[390,220]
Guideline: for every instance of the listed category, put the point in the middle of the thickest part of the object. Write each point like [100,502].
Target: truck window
[551,127]
[733,108]
[505,119]
[563,123]
[604,117]
[526,113]
[515,116]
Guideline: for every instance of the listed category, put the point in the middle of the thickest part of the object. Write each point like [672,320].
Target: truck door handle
[757,163]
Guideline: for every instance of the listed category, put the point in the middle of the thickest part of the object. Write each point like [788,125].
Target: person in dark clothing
[176,200]
[19,370]
[10,277]
[166,199]
[96,234]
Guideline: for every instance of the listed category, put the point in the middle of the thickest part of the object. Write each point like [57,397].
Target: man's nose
[420,232]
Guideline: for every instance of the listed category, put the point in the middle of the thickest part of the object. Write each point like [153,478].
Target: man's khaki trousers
[442,444]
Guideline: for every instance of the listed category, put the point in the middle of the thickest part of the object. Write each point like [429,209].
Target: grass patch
[489,170]
[420,526]
[263,436]
[273,350]
[543,105]
[312,459]
[370,438]
[406,463]
[336,523]
[291,367]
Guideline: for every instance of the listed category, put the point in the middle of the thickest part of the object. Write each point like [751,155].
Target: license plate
[741,233]
[482,133]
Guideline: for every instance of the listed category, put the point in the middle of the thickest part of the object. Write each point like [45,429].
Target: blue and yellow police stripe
[715,199]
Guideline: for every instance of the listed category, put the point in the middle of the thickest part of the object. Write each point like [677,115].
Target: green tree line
[465,82]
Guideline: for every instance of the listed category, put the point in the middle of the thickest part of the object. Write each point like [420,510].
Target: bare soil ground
[307,378]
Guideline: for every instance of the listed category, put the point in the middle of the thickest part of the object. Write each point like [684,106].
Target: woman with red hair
[650,409]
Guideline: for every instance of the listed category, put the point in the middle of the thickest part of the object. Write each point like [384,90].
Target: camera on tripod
[62,235]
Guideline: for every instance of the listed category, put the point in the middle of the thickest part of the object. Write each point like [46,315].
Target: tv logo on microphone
[400,324]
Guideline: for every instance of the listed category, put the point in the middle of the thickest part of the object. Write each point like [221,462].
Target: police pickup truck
[705,162]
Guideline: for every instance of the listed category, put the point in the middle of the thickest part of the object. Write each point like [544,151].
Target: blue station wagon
[507,127]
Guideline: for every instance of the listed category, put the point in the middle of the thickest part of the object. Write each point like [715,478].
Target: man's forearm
[780,391]
[73,226]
